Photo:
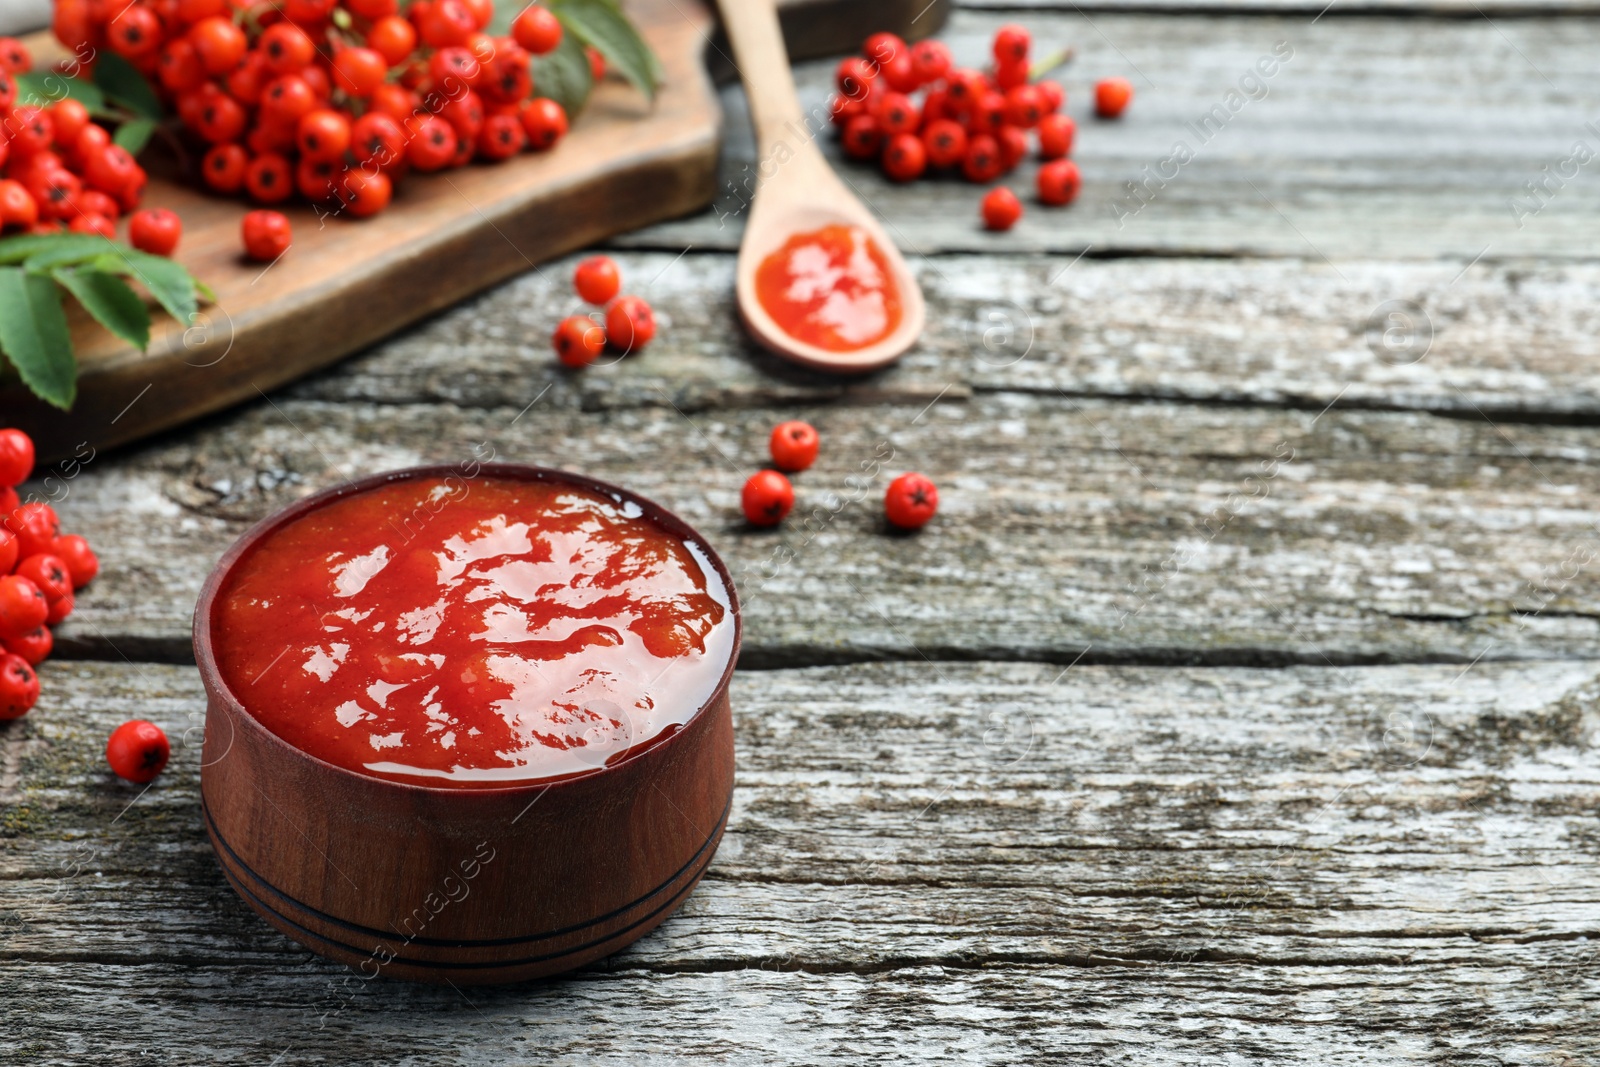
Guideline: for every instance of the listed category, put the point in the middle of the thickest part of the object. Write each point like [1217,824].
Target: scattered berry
[767,498]
[1058,182]
[138,751]
[911,501]
[266,235]
[1001,208]
[794,445]
[578,340]
[19,686]
[597,279]
[630,324]
[1112,96]
[155,230]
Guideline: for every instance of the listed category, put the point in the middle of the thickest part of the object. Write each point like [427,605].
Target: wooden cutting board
[346,283]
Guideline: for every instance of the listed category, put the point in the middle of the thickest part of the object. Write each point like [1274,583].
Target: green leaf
[134,135]
[563,74]
[60,247]
[33,335]
[597,23]
[41,87]
[108,298]
[171,285]
[125,85]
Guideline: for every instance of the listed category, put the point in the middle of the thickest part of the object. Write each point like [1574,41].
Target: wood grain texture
[1327,161]
[1380,865]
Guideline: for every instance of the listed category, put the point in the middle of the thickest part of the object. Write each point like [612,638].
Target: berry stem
[1052,63]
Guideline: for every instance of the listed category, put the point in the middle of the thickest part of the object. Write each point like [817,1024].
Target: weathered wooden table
[1239,707]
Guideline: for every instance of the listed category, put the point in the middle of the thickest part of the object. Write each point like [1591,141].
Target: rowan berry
[9,502]
[1055,136]
[268,178]
[135,32]
[30,131]
[506,79]
[1112,96]
[110,169]
[963,86]
[767,497]
[49,573]
[597,62]
[1025,106]
[899,74]
[8,540]
[396,101]
[18,208]
[897,114]
[286,49]
[219,43]
[155,230]
[19,686]
[982,162]
[945,141]
[597,279]
[465,113]
[793,445]
[224,166]
[23,606]
[34,646]
[377,138]
[855,76]
[191,11]
[482,12]
[1009,75]
[841,109]
[1054,96]
[86,223]
[578,341]
[323,134]
[910,501]
[881,48]
[1011,43]
[988,113]
[393,38]
[537,30]
[630,324]
[446,23]
[14,57]
[373,9]
[316,179]
[454,69]
[1013,144]
[80,559]
[308,13]
[862,138]
[1001,208]
[433,144]
[36,527]
[138,751]
[501,138]
[358,71]
[67,119]
[1058,182]
[266,235]
[16,457]
[904,158]
[365,193]
[931,60]
[59,610]
[56,193]
[545,123]
[221,119]
[288,99]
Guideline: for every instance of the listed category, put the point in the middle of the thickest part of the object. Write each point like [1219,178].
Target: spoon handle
[763,64]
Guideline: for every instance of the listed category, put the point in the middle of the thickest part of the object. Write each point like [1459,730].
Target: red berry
[597,279]
[358,71]
[14,57]
[1025,106]
[433,144]
[34,646]
[1055,136]
[36,527]
[224,167]
[377,139]
[365,193]
[930,59]
[855,76]
[578,340]
[59,610]
[219,43]
[268,178]
[537,30]
[1013,142]
[47,572]
[99,224]
[862,137]
[285,48]
[630,324]
[30,130]
[1054,95]
[393,38]
[22,606]
[315,178]
[905,158]
[138,751]
[501,138]
[882,48]
[465,113]
[16,457]
[288,99]
[69,117]
[74,551]
[1112,96]
[1001,208]
[135,32]
[841,109]
[323,134]
[1058,182]
[266,235]
[767,498]
[8,541]
[897,114]
[964,86]
[946,142]
[19,687]
[1008,76]
[597,62]
[988,113]
[18,208]
[155,230]
[794,445]
[911,501]
[1011,43]
[545,123]
[982,163]
[900,75]
[110,169]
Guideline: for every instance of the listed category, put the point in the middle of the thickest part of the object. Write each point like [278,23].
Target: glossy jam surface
[473,632]
[831,288]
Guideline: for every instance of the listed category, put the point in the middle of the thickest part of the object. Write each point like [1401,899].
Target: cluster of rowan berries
[972,122]
[628,325]
[768,495]
[60,171]
[332,100]
[40,570]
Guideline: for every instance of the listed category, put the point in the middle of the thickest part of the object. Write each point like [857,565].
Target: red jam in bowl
[831,288]
[473,632]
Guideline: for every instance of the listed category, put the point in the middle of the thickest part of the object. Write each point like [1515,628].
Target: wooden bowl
[479,885]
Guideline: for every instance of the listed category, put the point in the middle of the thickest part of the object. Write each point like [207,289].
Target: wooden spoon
[799,192]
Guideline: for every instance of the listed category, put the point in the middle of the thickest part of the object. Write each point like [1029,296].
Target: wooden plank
[347,282]
[1148,532]
[1387,862]
[1326,161]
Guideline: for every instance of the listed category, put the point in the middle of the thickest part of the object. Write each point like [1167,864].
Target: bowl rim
[217,688]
